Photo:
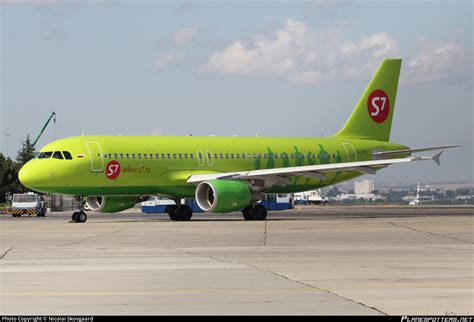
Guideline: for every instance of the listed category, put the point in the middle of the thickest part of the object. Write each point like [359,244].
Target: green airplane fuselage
[148,165]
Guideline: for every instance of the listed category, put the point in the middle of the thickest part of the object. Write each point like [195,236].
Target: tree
[26,153]
[8,177]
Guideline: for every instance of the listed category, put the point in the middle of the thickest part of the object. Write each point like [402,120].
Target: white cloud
[437,61]
[168,59]
[303,55]
[185,35]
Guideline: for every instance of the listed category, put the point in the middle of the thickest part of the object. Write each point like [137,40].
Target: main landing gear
[257,212]
[179,212]
[80,216]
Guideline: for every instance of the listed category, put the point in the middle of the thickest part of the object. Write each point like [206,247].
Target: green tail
[372,116]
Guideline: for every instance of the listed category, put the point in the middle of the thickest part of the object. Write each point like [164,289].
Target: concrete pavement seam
[281,276]
[6,252]
[429,233]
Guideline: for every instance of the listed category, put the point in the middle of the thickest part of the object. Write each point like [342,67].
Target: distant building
[364,187]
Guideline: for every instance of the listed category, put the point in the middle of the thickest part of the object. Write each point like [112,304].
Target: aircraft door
[200,157]
[210,160]
[350,152]
[96,157]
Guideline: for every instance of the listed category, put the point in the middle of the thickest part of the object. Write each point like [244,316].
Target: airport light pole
[6,142]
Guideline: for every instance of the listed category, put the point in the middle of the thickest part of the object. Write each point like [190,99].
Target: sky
[277,68]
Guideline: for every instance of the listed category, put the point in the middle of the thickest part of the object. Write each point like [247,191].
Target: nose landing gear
[80,216]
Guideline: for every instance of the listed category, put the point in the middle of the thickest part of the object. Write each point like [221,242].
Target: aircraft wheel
[185,213]
[74,216]
[81,217]
[247,212]
[173,213]
[260,212]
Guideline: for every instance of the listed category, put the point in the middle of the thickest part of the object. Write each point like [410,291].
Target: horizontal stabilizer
[437,159]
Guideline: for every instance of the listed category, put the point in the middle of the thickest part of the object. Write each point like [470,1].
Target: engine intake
[222,196]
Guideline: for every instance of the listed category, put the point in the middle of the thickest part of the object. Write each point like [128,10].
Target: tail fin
[372,116]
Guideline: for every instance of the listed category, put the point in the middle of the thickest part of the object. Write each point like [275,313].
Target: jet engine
[220,196]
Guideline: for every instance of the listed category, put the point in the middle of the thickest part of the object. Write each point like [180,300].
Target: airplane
[112,173]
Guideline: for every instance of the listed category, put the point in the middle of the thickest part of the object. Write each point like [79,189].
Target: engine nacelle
[111,203]
[224,195]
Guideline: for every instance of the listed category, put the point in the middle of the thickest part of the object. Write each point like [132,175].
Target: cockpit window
[45,155]
[57,155]
[67,155]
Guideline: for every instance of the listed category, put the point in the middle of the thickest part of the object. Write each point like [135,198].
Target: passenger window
[151,156]
[128,156]
[174,155]
[185,155]
[115,156]
[144,156]
[133,155]
[110,156]
[121,155]
[139,155]
[192,156]
[243,155]
[169,156]
[105,155]
[67,155]
[265,155]
[276,155]
[221,156]
[57,155]
[157,156]
[162,155]
[226,155]
[180,156]
[238,156]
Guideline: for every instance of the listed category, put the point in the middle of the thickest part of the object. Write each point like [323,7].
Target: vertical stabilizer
[372,116]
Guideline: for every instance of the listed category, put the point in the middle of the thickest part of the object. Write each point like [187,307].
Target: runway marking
[429,233]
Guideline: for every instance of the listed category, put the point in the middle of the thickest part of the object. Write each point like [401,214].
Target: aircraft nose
[27,176]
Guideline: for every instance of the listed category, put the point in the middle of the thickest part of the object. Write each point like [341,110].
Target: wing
[280,176]
[393,153]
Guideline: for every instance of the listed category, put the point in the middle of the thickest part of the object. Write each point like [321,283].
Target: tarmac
[318,260]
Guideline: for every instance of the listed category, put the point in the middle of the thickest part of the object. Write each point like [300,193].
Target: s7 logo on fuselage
[112,170]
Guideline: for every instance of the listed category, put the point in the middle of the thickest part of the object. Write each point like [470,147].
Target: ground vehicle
[312,197]
[27,204]
[162,205]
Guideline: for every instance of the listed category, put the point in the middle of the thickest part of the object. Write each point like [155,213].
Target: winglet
[436,158]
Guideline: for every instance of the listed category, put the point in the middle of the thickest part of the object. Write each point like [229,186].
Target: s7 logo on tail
[378,105]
